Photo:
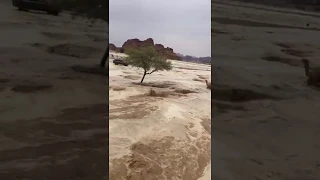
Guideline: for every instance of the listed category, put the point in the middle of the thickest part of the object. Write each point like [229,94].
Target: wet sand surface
[265,117]
[53,119]
[160,129]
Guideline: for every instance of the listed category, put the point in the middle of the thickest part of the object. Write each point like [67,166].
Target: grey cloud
[183,25]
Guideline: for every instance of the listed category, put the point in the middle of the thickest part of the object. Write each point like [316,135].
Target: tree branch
[153,71]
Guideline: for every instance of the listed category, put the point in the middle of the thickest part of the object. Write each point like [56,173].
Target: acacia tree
[91,9]
[148,59]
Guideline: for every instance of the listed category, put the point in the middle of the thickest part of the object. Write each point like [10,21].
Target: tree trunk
[144,74]
[105,58]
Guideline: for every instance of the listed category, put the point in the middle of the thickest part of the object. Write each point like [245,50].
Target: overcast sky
[184,25]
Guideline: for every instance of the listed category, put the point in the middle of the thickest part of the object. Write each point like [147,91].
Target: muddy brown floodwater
[265,117]
[53,118]
[160,129]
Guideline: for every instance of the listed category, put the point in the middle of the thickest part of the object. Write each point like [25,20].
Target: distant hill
[188,58]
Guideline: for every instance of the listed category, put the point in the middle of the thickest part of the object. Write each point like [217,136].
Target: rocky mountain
[136,43]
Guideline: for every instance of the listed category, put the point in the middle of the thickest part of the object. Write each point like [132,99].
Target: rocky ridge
[136,43]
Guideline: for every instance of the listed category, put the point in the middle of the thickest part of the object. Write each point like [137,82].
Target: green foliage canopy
[148,59]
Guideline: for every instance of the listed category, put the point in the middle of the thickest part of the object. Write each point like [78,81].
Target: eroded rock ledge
[136,43]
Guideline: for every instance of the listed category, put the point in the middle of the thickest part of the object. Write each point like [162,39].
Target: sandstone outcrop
[167,52]
[112,47]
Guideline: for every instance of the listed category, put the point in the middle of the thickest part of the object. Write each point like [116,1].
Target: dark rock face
[136,43]
[167,52]
[159,46]
[112,47]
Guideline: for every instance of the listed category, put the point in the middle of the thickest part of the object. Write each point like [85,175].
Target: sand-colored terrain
[265,118]
[163,134]
[53,119]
